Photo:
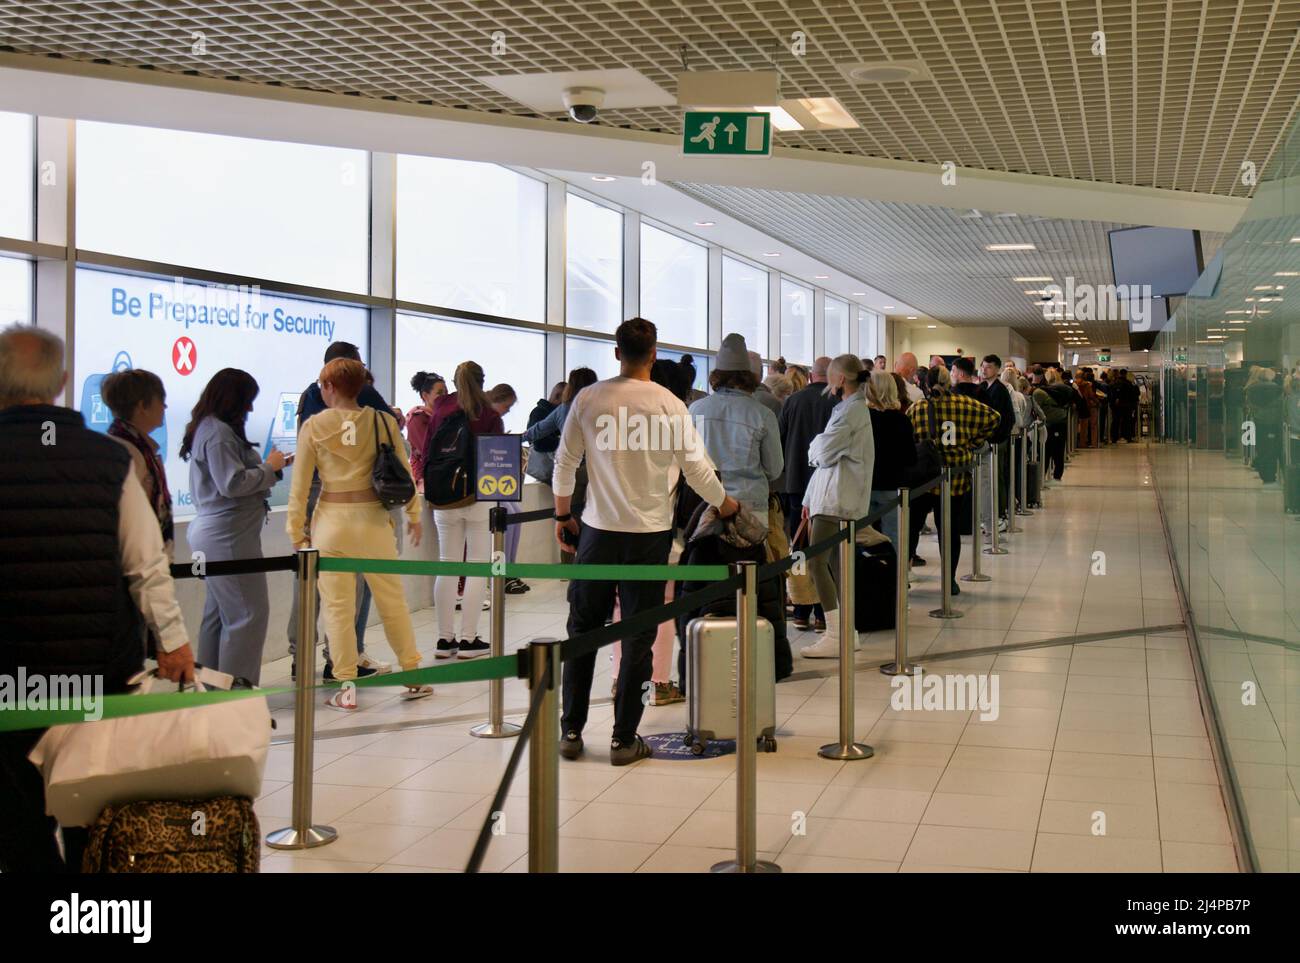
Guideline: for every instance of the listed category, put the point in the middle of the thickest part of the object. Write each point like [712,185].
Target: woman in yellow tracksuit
[340,445]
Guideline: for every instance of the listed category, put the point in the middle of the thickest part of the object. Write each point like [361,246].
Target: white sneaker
[827,647]
[380,668]
[487,604]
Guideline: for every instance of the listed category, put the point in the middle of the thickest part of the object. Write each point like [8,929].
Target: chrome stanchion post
[302,834]
[900,665]
[496,727]
[1022,467]
[1017,444]
[977,518]
[945,556]
[1043,463]
[544,759]
[995,546]
[746,860]
[846,748]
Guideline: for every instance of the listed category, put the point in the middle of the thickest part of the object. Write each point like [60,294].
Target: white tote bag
[199,753]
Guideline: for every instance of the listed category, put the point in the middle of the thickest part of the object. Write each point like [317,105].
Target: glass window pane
[796,322]
[16,168]
[868,333]
[15,291]
[675,286]
[591,353]
[471,236]
[513,356]
[594,277]
[837,327]
[185,332]
[744,303]
[294,213]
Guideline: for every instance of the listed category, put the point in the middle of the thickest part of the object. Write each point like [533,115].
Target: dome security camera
[584,103]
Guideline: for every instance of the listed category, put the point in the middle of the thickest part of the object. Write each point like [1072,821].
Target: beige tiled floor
[1098,759]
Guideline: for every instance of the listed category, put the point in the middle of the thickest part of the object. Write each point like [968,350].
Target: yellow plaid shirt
[962,425]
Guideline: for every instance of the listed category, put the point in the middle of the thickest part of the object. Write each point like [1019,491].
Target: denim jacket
[743,440]
[845,457]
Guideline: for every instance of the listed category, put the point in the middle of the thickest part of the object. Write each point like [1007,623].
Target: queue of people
[767,461]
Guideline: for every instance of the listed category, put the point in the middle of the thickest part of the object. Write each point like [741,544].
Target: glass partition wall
[1228,474]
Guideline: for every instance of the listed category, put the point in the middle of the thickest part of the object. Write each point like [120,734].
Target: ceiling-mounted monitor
[1166,258]
[1143,329]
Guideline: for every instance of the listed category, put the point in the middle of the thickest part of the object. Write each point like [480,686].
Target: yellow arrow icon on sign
[507,485]
[487,485]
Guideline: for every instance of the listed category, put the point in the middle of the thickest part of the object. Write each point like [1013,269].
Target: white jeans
[461,530]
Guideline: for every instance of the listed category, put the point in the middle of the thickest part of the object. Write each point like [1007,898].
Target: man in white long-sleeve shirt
[638,439]
[82,571]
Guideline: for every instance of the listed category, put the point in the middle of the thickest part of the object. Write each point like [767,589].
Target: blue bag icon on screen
[97,414]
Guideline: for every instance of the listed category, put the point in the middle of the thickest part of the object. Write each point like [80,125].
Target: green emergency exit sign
[1103,357]
[721,133]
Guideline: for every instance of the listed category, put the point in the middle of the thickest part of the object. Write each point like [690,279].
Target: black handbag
[391,481]
[929,459]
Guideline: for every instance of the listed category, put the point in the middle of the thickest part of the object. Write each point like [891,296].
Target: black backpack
[449,462]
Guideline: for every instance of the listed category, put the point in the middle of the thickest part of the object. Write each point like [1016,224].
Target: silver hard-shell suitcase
[711,685]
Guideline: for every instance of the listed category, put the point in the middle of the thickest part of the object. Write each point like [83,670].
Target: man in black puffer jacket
[81,560]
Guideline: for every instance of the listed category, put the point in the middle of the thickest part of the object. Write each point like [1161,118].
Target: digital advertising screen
[185,332]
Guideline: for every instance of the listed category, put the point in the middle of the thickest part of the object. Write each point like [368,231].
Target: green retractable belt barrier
[19,716]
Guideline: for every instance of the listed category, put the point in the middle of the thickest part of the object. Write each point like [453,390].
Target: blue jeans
[888,525]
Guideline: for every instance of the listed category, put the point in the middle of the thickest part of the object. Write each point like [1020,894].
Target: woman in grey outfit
[230,486]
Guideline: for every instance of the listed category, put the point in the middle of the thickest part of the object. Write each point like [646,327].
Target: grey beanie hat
[732,356]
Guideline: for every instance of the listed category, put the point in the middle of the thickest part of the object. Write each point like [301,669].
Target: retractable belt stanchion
[846,748]
[496,727]
[977,517]
[1014,457]
[302,834]
[1042,463]
[746,860]
[1023,468]
[945,556]
[544,759]
[995,545]
[1071,432]
[900,665]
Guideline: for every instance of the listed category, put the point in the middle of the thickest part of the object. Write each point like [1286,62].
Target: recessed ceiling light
[704,223]
[817,113]
[885,71]
[859,294]
[887,307]
[1010,247]
[911,317]
[1296,239]
[781,118]
[1031,280]
[1286,274]
[820,277]
[932,326]
[771,254]
[601,177]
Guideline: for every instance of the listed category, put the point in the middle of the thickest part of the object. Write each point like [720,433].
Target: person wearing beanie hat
[735,427]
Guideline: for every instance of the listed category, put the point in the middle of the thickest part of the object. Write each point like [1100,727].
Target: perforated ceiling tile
[1187,91]
[896,248]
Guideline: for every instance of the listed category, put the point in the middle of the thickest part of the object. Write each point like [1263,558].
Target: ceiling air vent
[885,72]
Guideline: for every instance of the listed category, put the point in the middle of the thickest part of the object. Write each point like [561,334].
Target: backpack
[449,462]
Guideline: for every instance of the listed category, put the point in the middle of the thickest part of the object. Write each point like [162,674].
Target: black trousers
[1055,451]
[1268,450]
[792,506]
[591,602]
[961,525]
[27,843]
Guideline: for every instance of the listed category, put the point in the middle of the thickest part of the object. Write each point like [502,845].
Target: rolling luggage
[711,697]
[875,579]
[214,836]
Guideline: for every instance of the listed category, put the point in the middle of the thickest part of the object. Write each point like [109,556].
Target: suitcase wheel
[767,743]
[697,749]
